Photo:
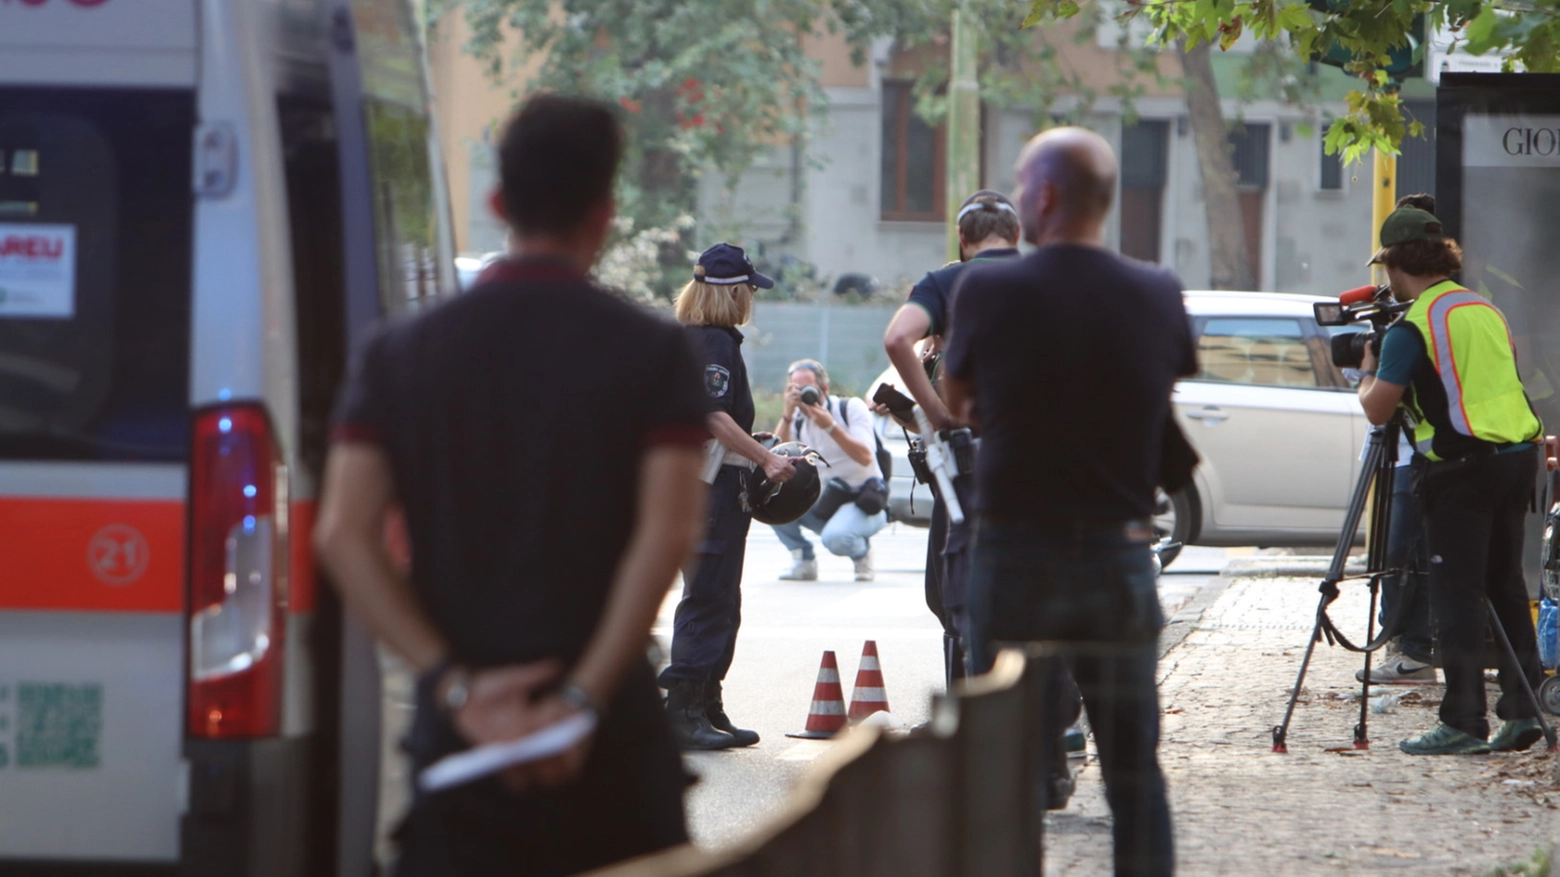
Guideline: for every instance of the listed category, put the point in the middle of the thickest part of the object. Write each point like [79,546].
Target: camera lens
[1348,350]
[810,396]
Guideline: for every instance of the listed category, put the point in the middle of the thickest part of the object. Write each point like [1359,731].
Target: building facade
[862,193]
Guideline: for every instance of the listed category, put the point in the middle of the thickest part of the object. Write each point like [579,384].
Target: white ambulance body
[203,205]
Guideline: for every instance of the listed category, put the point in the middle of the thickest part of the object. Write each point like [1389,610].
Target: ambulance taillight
[238,575]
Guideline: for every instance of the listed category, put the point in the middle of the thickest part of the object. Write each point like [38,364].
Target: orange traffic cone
[826,716]
[869,696]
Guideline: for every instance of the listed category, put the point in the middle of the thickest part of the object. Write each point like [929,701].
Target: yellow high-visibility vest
[1470,346]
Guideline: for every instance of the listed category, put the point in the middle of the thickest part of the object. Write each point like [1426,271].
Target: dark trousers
[704,630]
[1406,550]
[1092,584]
[627,801]
[1474,522]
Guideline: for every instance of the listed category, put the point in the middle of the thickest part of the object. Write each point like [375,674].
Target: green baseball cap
[1407,224]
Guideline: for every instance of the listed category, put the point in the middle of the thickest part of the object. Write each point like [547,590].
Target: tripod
[1375,484]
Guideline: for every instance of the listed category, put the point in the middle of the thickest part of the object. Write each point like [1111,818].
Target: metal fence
[847,339]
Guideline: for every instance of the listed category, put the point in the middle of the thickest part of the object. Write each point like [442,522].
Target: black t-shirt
[1072,352]
[725,374]
[515,418]
[931,293]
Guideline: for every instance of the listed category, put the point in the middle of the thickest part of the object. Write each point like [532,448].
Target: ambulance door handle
[1209,415]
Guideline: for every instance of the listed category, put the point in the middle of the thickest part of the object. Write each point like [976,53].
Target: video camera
[1366,303]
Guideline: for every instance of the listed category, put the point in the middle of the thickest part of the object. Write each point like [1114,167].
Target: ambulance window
[314,220]
[95,227]
[405,211]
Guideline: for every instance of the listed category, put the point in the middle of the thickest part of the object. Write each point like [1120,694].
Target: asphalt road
[786,628]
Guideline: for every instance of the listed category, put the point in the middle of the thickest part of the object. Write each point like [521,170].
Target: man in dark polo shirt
[1066,359]
[544,437]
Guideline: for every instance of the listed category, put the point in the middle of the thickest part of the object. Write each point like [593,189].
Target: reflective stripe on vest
[1498,411]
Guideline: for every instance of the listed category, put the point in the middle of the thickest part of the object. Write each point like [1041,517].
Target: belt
[1485,451]
[1132,528]
[717,455]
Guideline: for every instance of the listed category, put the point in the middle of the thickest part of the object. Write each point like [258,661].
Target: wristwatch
[575,696]
[456,681]
[830,429]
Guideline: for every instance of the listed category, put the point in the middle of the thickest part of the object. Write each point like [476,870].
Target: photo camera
[1372,304]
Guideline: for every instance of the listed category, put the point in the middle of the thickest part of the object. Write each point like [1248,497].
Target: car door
[1276,431]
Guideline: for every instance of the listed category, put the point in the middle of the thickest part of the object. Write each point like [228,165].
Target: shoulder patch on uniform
[717,380]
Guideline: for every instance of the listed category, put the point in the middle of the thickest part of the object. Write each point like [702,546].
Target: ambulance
[204,205]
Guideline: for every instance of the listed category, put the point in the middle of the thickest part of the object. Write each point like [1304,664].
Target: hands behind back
[503,705]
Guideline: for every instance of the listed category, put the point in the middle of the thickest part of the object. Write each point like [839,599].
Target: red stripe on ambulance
[92,555]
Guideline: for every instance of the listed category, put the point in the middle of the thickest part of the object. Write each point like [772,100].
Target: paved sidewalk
[1241,809]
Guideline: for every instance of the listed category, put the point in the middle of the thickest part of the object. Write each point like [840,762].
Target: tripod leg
[1281,732]
[1516,667]
[1361,730]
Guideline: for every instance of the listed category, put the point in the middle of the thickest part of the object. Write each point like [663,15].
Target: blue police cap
[727,264]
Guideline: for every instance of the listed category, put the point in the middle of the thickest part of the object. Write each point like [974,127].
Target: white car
[1277,425]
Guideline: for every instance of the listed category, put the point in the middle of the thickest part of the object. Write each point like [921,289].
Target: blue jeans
[1087,583]
[1405,548]
[847,534]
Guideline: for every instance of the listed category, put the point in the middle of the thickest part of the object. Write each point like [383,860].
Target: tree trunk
[1229,264]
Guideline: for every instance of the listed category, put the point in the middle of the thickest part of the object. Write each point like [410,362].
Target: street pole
[1383,201]
[963,152]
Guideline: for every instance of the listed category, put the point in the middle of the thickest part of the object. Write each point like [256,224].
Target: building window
[1332,168]
[913,152]
[1250,146]
[1145,149]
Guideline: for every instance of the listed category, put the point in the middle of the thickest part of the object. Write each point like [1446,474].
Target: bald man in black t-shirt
[1065,359]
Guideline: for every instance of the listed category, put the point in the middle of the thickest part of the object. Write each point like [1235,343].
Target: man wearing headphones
[988,230]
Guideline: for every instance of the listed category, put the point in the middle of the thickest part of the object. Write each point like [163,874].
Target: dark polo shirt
[515,418]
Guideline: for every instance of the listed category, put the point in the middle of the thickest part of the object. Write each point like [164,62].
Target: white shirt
[840,463]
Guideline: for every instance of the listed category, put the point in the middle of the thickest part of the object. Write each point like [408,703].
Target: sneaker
[802,569]
[1399,670]
[864,571]
[1517,735]
[1443,739]
[1076,740]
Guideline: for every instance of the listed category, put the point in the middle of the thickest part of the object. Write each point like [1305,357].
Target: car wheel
[1174,517]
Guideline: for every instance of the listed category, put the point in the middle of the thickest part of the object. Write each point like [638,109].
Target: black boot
[953,659]
[715,711]
[685,706]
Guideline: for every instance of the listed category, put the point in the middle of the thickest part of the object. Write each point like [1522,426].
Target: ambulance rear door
[97,106]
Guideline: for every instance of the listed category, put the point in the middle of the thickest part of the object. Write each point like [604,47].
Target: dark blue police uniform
[704,632]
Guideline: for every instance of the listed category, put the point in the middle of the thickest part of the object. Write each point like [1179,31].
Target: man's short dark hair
[990,219]
[558,159]
[1437,257]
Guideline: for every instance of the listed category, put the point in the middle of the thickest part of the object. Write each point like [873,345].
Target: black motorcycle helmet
[782,503]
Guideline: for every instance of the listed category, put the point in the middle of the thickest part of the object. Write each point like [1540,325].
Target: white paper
[463,767]
[37,270]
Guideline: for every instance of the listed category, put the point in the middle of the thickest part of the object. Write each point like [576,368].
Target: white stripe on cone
[827,708]
[829,676]
[870,695]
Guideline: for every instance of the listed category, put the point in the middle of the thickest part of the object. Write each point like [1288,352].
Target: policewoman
[1450,361]
[704,632]
[988,230]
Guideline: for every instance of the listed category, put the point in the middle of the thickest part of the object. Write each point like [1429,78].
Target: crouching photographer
[854,501]
[1450,361]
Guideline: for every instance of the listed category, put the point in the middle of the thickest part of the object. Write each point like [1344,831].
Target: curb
[1186,618]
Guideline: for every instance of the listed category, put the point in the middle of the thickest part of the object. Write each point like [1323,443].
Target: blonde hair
[714,304]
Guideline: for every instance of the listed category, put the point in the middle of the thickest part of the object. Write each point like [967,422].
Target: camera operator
[988,230]
[1450,361]
[852,506]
